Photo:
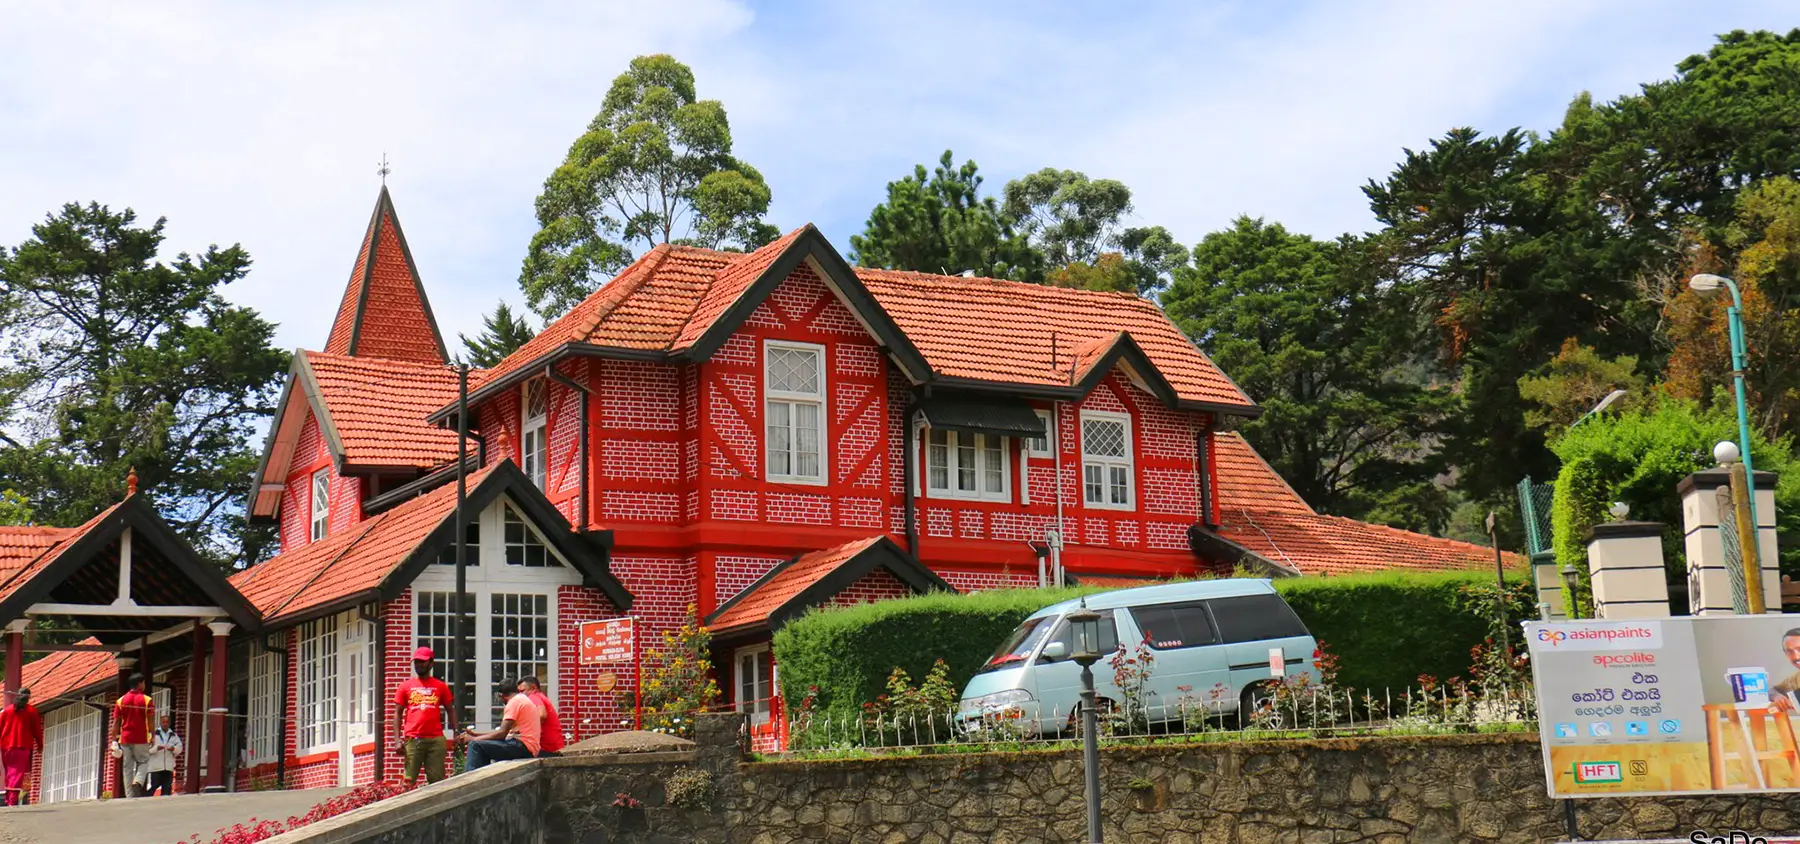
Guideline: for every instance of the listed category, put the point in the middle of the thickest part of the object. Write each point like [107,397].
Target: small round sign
[607,681]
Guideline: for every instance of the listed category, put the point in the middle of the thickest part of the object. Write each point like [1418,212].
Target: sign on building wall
[610,640]
[1668,706]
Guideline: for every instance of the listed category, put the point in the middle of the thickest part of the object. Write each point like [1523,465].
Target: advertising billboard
[1668,706]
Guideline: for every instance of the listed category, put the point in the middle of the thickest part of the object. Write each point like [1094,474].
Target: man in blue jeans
[519,735]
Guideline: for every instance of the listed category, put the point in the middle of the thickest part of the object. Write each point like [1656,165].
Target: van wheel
[1258,704]
[1102,708]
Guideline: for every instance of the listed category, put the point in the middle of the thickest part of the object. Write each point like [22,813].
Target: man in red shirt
[21,735]
[421,706]
[135,716]
[553,735]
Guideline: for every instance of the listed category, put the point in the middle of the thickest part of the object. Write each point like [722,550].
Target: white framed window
[959,464]
[316,707]
[71,753]
[321,503]
[523,545]
[534,450]
[755,676]
[1106,468]
[1044,446]
[264,727]
[512,611]
[794,411]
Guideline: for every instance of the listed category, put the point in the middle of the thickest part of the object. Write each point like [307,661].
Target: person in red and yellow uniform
[422,704]
[135,716]
[21,736]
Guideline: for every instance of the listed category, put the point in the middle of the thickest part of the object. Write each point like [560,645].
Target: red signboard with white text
[610,640]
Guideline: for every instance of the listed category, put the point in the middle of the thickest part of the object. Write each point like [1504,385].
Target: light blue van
[1212,641]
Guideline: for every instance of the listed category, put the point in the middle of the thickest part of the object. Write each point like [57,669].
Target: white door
[355,653]
[71,753]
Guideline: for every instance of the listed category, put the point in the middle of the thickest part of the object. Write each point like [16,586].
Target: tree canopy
[502,333]
[654,166]
[115,360]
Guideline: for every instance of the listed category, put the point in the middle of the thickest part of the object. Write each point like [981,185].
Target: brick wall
[582,708]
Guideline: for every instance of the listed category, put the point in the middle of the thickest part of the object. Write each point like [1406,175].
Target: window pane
[993,461]
[793,370]
[780,446]
[519,639]
[1121,489]
[1103,437]
[806,440]
[965,462]
[1253,618]
[937,457]
[1175,626]
[1095,490]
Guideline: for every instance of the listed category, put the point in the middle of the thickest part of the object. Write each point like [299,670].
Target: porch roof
[814,578]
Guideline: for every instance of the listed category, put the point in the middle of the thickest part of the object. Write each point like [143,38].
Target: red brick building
[747,434]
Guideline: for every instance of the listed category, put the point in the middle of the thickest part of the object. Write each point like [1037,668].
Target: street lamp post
[1734,317]
[1084,629]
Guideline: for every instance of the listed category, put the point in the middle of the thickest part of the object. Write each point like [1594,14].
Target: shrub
[843,656]
[257,830]
[1386,629]
[679,683]
[689,788]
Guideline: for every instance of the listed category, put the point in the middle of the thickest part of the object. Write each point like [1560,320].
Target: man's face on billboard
[1791,647]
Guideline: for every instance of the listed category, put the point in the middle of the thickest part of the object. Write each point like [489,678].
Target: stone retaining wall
[1402,789]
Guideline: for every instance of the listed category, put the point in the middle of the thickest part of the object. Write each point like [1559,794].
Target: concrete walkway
[152,820]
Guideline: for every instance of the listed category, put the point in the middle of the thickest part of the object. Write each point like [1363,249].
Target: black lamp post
[1084,630]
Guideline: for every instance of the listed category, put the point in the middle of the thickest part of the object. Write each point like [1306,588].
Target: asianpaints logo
[1601,636]
[1631,659]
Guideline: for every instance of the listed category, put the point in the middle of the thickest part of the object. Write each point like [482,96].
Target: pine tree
[503,332]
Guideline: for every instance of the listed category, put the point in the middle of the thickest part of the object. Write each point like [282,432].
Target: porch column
[117,766]
[215,712]
[195,724]
[15,657]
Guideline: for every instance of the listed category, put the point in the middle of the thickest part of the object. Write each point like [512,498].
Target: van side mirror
[1055,651]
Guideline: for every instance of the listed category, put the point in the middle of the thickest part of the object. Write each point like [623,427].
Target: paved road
[153,820]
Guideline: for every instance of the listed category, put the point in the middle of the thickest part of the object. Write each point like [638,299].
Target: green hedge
[1387,629]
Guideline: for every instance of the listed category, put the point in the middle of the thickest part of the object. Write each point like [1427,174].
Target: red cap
[423,655]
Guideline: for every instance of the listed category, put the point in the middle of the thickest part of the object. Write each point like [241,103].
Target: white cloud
[262,123]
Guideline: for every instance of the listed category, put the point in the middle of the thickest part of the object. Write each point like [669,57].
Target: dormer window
[794,411]
[321,503]
[534,450]
[960,464]
[1106,468]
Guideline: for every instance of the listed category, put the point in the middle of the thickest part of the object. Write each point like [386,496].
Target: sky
[263,123]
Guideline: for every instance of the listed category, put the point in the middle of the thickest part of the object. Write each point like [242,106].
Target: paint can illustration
[1749,687]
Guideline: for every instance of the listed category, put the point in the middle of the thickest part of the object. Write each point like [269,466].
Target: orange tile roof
[975,328]
[1261,513]
[348,563]
[1317,544]
[384,312]
[379,406]
[1247,480]
[787,583]
[24,551]
[54,679]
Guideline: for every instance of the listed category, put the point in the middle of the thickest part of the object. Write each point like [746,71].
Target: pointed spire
[384,313]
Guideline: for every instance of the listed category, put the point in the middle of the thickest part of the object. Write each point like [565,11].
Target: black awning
[997,416]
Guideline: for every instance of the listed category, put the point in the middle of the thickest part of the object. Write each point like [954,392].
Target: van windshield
[1018,646]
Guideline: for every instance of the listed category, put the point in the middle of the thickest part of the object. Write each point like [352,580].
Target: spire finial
[131,482]
[384,169]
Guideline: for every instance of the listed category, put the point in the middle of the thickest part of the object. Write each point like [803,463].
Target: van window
[1019,645]
[1170,626]
[1253,618]
[1109,635]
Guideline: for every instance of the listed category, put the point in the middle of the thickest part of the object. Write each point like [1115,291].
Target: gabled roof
[1263,520]
[384,312]
[812,579]
[371,412]
[171,569]
[379,557]
[680,303]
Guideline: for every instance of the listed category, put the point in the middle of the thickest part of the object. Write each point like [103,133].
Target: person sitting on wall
[553,734]
[164,746]
[519,735]
[21,736]
[422,706]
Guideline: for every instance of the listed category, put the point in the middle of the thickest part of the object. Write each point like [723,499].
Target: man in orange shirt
[553,735]
[135,716]
[519,735]
[21,736]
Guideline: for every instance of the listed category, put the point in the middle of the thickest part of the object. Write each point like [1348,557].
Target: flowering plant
[678,681]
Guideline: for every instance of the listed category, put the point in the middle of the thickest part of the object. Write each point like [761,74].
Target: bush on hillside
[1388,629]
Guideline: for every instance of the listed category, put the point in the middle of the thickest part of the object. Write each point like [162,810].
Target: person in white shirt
[165,745]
